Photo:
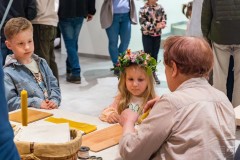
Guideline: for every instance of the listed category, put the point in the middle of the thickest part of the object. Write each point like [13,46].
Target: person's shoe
[116,72]
[74,79]
[156,78]
[68,73]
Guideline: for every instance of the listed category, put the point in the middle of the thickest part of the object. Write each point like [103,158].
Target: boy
[25,70]
[23,8]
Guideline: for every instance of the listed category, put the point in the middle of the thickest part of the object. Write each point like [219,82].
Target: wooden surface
[102,139]
[33,115]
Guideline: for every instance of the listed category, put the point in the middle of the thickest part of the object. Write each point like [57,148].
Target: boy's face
[21,44]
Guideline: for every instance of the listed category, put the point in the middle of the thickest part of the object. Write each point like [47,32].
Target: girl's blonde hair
[125,95]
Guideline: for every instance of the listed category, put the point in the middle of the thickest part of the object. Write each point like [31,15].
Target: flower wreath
[140,58]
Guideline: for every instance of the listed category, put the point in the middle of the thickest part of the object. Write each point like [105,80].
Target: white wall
[93,39]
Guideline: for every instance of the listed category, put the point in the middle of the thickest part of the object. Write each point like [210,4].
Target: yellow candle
[24,107]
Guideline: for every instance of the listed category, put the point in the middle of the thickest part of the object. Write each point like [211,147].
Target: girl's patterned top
[149,17]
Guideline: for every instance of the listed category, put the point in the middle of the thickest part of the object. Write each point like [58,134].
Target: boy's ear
[8,44]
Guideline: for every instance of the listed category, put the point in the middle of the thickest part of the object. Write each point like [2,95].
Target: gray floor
[98,87]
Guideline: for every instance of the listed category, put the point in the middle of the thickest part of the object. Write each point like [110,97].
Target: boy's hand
[44,105]
[47,104]
[51,104]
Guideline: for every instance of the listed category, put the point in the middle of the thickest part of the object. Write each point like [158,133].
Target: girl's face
[136,80]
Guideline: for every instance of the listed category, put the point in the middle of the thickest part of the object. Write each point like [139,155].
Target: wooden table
[111,153]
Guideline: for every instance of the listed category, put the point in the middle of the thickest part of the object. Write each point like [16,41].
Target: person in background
[19,8]
[25,70]
[152,19]
[135,86]
[45,31]
[71,15]
[193,119]
[116,17]
[8,149]
[220,23]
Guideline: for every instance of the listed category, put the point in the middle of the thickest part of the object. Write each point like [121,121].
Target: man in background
[220,23]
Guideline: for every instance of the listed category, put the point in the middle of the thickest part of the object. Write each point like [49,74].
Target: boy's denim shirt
[18,77]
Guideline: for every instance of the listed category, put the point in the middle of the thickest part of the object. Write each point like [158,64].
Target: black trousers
[151,45]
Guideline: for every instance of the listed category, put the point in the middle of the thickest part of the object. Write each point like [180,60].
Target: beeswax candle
[24,107]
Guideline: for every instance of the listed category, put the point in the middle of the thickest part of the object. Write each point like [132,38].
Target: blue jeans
[70,29]
[121,26]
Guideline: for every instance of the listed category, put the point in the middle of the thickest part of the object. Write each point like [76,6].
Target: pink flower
[133,57]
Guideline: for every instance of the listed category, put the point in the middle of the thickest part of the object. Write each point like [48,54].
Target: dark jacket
[7,146]
[76,8]
[19,8]
[220,21]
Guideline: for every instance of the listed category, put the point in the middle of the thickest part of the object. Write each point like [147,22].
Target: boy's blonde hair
[125,95]
[15,26]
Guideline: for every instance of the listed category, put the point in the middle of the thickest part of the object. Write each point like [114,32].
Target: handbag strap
[6,13]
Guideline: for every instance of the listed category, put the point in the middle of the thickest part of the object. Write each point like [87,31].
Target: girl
[135,85]
[152,19]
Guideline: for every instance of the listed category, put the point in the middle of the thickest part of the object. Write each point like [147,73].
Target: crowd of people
[195,118]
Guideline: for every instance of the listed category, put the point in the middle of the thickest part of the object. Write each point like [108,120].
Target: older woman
[194,121]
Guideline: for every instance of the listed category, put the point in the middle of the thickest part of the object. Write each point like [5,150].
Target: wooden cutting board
[102,139]
[33,115]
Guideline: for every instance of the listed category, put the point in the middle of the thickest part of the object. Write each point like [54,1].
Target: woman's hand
[150,104]
[128,118]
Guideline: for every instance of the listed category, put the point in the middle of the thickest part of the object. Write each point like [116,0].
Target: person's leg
[125,32]
[70,29]
[155,50]
[156,47]
[236,83]
[44,36]
[112,33]
[147,44]
[220,68]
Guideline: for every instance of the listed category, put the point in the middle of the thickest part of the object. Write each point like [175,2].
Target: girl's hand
[161,25]
[113,118]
